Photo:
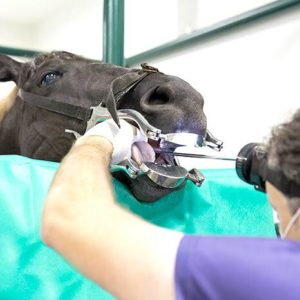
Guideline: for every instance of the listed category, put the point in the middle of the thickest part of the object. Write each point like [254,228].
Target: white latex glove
[122,138]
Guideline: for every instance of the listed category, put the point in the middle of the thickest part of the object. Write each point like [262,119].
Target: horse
[65,80]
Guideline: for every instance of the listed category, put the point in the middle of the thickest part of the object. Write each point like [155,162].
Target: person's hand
[122,140]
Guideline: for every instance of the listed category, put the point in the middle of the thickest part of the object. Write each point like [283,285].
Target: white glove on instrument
[122,138]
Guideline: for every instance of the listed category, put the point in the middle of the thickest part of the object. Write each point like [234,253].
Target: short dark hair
[284,152]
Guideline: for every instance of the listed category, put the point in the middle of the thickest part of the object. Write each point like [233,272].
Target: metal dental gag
[165,175]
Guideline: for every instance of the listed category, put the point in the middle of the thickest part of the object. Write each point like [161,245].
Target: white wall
[53,25]
[249,78]
[149,24]
[75,27]
[15,34]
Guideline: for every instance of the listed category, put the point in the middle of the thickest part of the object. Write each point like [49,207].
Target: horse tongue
[142,152]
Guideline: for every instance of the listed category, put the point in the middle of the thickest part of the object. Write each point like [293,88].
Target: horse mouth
[150,152]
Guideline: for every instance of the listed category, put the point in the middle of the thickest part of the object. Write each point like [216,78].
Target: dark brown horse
[29,129]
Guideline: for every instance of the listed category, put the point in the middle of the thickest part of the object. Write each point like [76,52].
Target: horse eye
[49,78]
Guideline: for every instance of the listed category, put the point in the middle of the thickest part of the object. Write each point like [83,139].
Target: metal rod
[194,155]
[19,52]
[113,32]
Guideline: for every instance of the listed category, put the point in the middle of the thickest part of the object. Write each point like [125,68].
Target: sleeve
[237,268]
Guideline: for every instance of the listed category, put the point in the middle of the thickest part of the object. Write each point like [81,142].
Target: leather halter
[118,88]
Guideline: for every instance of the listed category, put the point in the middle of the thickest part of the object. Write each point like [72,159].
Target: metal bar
[19,52]
[198,36]
[113,32]
[195,155]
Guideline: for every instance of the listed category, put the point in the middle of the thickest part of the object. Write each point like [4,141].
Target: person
[133,259]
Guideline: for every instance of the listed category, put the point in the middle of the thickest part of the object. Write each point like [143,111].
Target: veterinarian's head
[274,167]
[284,157]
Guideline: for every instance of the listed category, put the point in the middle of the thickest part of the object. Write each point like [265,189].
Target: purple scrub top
[237,268]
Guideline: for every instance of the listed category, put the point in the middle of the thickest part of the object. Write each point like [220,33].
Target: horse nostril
[161,95]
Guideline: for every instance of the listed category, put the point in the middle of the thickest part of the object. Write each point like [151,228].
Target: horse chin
[142,187]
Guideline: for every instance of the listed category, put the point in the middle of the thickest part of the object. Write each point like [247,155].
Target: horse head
[27,128]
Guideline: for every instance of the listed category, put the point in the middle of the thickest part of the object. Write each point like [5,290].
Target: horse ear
[9,69]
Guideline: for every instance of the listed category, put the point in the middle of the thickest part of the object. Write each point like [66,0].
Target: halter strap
[118,88]
[128,80]
[67,109]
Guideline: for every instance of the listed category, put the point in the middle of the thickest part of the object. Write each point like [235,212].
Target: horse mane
[7,102]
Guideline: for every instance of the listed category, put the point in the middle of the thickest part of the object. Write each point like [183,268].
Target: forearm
[121,252]
[85,169]
[81,180]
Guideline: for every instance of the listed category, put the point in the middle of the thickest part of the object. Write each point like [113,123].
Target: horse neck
[9,124]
